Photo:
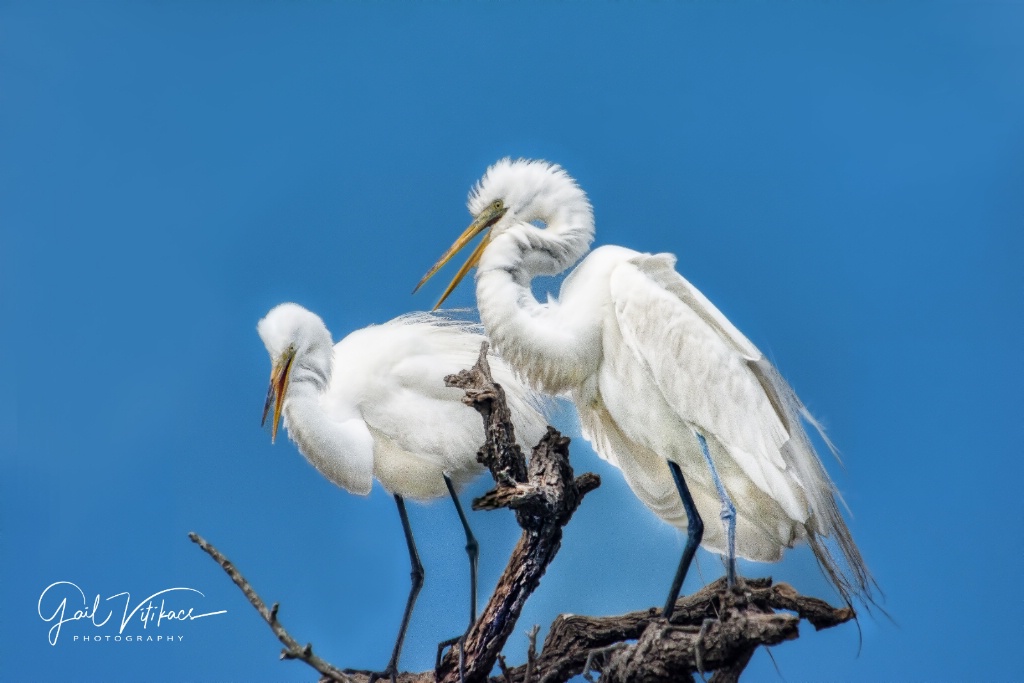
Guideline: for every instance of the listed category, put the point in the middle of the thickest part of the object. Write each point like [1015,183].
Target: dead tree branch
[714,629]
[543,494]
[292,649]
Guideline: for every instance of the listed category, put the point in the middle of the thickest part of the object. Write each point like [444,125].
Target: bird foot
[738,587]
[597,659]
[698,647]
[457,640]
[441,648]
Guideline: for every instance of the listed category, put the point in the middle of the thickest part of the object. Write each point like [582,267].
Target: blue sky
[843,180]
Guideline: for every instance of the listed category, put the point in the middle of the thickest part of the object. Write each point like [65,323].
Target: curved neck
[310,372]
[338,443]
[555,347]
[548,250]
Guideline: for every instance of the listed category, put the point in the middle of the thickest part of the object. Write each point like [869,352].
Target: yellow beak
[280,373]
[488,217]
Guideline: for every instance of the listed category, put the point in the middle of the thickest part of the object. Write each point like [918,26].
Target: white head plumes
[554,217]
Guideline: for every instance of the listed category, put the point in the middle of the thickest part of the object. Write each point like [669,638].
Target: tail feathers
[846,568]
[811,420]
[828,535]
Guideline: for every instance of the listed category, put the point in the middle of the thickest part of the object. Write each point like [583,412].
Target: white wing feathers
[661,270]
[670,325]
[699,362]
[396,375]
[455,344]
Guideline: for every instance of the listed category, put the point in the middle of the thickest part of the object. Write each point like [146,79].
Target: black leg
[694,534]
[417,583]
[472,549]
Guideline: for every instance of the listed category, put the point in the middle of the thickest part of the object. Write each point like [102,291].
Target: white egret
[657,374]
[374,405]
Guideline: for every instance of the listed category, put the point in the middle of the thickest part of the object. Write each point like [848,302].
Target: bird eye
[498,204]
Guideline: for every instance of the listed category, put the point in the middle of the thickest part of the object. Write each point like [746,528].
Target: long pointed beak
[486,219]
[279,376]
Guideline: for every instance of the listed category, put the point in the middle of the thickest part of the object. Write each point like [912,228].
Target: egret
[666,388]
[374,405]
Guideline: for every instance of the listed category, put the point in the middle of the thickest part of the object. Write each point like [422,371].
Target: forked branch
[543,494]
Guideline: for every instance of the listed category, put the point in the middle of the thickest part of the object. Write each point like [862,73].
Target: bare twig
[531,651]
[292,649]
[505,673]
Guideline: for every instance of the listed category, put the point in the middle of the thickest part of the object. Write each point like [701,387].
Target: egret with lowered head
[374,405]
[667,389]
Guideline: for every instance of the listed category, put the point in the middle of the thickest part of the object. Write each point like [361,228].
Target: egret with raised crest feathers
[667,389]
[374,405]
